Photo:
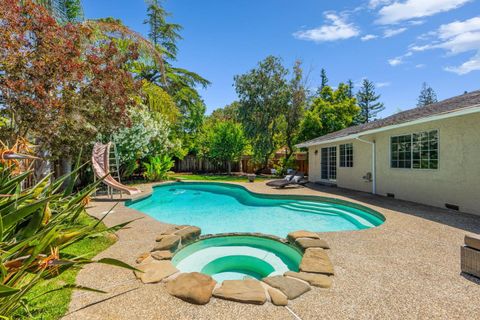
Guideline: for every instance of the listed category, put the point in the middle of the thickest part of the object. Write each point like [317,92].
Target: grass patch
[55,305]
[208,177]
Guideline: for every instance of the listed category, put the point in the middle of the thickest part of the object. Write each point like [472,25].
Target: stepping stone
[142,257]
[162,255]
[192,287]
[292,236]
[155,271]
[292,288]
[245,291]
[171,230]
[317,280]
[305,243]
[169,242]
[189,233]
[316,260]
[278,298]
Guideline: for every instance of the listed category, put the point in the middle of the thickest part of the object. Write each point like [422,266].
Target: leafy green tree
[226,143]
[368,102]
[229,112]
[179,83]
[332,111]
[427,96]
[295,109]
[263,99]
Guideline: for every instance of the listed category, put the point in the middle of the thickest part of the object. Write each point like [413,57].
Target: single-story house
[429,155]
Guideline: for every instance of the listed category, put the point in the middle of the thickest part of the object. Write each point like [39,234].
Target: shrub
[157,168]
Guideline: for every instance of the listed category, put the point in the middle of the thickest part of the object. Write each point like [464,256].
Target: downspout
[374,179]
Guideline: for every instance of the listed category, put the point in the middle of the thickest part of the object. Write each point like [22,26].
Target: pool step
[328,210]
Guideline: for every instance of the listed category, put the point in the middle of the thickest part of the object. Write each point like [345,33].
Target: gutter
[374,176]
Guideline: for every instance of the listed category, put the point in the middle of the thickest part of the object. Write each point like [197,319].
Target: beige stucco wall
[456,181]
[350,178]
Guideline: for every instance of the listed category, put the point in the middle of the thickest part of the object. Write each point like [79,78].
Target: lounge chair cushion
[472,242]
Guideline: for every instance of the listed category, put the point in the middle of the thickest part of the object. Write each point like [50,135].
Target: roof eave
[440,116]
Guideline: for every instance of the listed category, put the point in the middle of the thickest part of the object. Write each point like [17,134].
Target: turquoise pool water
[222,208]
[237,257]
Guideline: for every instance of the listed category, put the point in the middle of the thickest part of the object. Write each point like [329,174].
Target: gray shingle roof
[446,106]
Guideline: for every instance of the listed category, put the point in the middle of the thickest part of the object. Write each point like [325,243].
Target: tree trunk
[66,168]
[240,165]
[229,166]
[42,166]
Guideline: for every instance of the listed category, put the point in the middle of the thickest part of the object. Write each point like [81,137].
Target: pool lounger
[294,179]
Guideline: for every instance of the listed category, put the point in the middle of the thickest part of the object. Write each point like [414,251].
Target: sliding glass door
[329,163]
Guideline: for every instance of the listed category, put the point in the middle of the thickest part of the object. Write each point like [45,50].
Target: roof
[448,106]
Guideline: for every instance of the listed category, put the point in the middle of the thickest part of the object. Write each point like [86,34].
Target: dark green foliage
[427,96]
[368,102]
[263,99]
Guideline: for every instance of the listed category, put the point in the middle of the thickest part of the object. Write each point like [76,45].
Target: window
[415,151]
[329,163]
[346,155]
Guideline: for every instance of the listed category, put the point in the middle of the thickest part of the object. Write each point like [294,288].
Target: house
[429,155]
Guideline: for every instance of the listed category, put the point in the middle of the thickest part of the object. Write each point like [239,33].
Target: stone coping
[197,288]
[261,195]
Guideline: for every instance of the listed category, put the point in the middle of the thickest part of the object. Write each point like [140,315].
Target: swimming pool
[237,257]
[224,208]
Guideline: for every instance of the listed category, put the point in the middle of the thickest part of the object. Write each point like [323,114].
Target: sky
[397,44]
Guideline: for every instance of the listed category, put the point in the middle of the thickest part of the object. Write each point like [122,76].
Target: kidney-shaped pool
[224,208]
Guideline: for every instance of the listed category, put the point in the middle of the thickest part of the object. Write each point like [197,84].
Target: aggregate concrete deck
[407,268]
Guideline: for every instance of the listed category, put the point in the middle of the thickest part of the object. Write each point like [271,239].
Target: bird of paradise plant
[36,224]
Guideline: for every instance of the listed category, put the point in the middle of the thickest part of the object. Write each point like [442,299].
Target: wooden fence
[194,164]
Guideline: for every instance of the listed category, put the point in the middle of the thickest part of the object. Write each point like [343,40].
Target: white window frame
[345,156]
[411,150]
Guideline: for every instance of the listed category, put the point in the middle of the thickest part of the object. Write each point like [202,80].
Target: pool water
[223,208]
[237,258]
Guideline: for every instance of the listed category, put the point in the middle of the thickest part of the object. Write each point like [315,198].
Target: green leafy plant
[36,225]
[157,168]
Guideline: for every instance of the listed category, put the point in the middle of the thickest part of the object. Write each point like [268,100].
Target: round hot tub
[238,257]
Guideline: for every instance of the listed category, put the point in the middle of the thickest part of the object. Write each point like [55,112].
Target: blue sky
[398,44]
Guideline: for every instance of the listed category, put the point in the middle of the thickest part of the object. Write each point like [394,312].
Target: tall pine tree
[427,96]
[368,102]
[323,81]
[350,88]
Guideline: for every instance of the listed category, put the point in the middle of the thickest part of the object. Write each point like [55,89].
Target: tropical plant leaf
[7,291]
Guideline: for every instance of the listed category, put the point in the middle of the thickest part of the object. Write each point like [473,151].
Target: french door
[329,163]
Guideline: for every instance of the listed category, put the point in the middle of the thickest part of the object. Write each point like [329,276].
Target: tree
[295,108]
[367,101]
[226,143]
[229,113]
[179,83]
[427,96]
[324,79]
[332,111]
[59,86]
[263,97]
[351,86]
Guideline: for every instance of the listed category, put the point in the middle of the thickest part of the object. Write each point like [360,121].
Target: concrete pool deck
[407,268]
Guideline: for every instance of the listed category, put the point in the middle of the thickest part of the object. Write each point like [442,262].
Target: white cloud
[382,84]
[372,4]
[368,37]
[395,61]
[420,66]
[337,28]
[471,65]
[410,9]
[399,60]
[393,32]
[455,38]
